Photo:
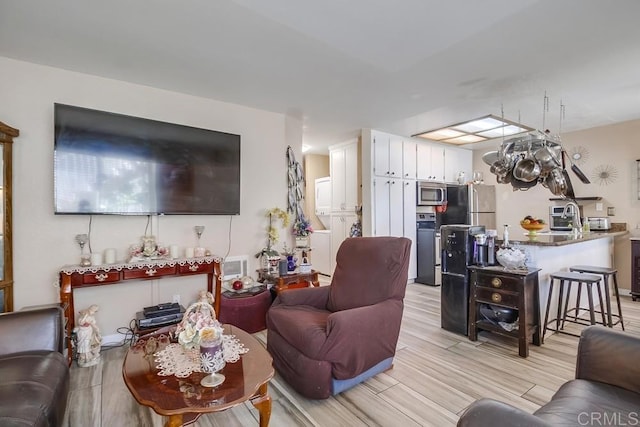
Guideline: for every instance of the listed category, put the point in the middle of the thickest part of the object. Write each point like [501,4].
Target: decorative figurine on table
[89,338]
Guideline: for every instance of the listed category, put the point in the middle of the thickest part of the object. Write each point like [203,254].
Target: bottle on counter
[505,236]
[491,246]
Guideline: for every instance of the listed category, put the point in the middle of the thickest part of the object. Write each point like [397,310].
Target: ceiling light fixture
[475,130]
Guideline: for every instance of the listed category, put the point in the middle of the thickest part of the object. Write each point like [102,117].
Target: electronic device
[234,267]
[163,309]
[107,163]
[166,319]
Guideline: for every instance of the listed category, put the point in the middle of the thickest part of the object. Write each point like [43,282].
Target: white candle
[173,251]
[96,258]
[188,252]
[199,252]
[110,256]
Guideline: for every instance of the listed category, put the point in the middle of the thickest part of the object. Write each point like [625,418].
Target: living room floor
[436,375]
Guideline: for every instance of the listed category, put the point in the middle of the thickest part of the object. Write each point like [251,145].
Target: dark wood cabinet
[635,269]
[7,134]
[510,289]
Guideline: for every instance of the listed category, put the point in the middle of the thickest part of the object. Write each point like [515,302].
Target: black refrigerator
[457,254]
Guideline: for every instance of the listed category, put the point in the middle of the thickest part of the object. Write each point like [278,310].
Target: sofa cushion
[581,402]
[33,389]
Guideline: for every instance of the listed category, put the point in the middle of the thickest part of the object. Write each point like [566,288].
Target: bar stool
[568,278]
[606,273]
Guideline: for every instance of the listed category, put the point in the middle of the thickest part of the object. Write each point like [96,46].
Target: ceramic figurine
[89,338]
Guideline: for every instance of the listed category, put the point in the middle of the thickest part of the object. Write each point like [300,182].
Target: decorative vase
[212,361]
[291,262]
[273,264]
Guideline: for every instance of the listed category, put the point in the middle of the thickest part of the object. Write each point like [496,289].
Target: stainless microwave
[431,193]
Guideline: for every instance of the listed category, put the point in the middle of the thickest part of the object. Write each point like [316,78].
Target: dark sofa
[34,374]
[606,390]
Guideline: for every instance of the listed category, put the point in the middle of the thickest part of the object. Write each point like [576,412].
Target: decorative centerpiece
[198,316]
[511,258]
[147,249]
[532,225]
[211,356]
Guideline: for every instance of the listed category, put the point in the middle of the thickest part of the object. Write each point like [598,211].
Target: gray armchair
[606,390]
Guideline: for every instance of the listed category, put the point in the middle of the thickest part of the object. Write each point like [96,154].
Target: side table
[511,289]
[293,280]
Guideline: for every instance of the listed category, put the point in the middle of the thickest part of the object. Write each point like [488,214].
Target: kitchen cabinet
[345,177]
[457,160]
[430,162]
[393,156]
[509,289]
[635,269]
[340,228]
[323,196]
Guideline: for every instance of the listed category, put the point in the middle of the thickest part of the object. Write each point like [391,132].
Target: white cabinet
[323,196]
[321,251]
[457,160]
[393,156]
[409,194]
[340,228]
[343,164]
[387,205]
[430,162]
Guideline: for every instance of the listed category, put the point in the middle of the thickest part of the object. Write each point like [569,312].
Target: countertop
[563,239]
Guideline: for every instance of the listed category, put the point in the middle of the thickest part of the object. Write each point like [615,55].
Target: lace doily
[175,360]
[70,269]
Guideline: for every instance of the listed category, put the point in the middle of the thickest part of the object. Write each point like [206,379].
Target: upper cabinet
[430,162]
[393,156]
[457,160]
[345,176]
[7,134]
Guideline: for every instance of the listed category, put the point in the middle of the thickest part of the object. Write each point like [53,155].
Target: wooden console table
[75,276]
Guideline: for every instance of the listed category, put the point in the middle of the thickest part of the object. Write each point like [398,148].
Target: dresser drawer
[100,277]
[500,297]
[195,268]
[149,272]
[499,281]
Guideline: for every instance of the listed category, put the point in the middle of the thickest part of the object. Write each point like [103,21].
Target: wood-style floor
[436,375]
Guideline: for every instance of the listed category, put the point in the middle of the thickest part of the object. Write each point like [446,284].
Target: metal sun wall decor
[605,174]
[579,154]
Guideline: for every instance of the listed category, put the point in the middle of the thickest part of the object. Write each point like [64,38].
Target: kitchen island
[552,252]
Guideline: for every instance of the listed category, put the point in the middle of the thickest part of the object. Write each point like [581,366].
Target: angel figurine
[89,338]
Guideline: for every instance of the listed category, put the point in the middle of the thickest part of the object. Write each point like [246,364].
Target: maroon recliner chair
[327,339]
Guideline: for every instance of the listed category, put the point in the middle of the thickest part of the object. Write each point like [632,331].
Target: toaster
[599,224]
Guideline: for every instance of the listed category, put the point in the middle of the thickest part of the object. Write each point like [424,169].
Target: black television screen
[106,163]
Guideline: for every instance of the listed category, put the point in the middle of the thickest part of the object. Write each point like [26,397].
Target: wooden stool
[569,278]
[605,272]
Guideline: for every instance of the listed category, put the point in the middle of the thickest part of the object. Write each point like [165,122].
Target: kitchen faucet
[577,223]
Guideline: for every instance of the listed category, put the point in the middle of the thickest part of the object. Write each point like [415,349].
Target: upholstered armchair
[327,339]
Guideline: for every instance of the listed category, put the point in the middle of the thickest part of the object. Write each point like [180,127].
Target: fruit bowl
[532,228]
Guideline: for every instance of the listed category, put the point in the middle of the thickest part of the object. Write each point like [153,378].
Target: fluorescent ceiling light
[475,130]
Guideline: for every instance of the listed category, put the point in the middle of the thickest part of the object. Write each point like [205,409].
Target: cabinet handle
[393,173]
[194,267]
[101,277]
[496,282]
[496,297]
[150,272]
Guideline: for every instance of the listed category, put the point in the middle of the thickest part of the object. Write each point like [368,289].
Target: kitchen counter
[545,239]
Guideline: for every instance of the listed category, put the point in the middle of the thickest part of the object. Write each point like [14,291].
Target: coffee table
[183,400]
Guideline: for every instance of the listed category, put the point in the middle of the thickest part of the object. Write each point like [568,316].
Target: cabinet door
[381,155]
[338,176]
[409,194]
[395,157]
[409,148]
[340,228]
[351,177]
[437,163]
[381,190]
[423,161]
[396,218]
[457,160]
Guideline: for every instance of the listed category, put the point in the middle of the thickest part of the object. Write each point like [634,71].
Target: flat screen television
[107,163]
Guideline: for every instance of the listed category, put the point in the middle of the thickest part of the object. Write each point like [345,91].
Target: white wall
[43,242]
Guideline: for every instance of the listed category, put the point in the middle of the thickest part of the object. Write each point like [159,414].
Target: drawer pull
[151,272]
[496,297]
[496,282]
[194,267]
[102,277]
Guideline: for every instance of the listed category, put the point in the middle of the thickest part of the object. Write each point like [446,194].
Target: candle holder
[199,230]
[83,239]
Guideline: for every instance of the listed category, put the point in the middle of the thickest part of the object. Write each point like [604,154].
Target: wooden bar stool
[606,273]
[568,278]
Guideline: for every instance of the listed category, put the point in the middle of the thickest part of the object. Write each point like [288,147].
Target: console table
[75,276]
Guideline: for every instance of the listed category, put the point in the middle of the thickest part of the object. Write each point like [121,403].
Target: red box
[246,312]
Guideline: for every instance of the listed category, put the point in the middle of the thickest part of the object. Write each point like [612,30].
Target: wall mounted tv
[106,163]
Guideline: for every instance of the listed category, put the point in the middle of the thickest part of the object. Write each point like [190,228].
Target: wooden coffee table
[183,400]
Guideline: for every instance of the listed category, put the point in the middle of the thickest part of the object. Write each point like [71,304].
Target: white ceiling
[401,66]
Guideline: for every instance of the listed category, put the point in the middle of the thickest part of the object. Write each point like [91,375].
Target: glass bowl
[511,258]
